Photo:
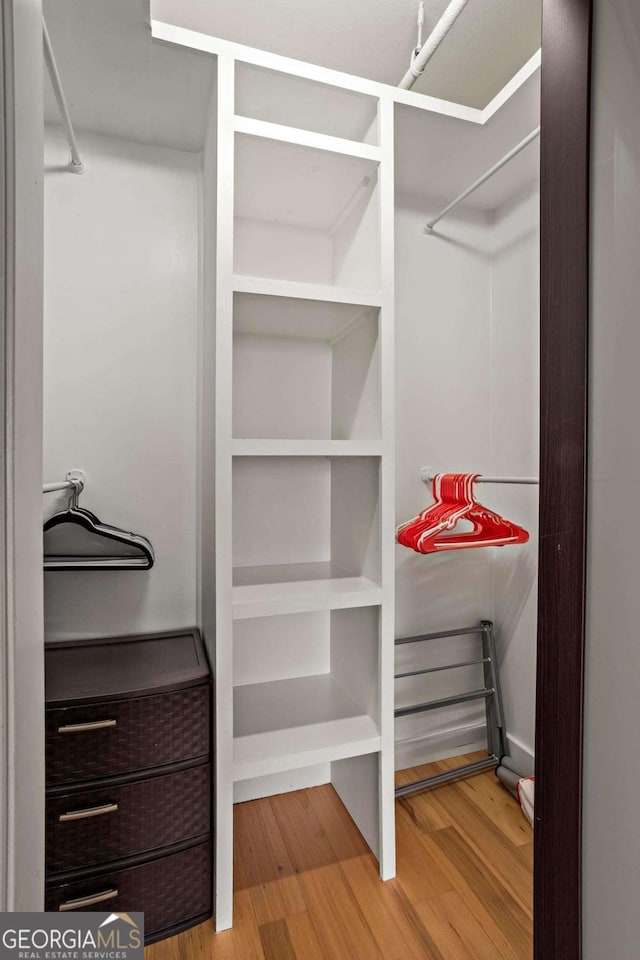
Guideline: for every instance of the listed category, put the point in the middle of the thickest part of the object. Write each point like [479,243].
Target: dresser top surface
[113,667]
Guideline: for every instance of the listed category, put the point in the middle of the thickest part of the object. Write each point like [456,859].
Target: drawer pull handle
[81,902]
[88,812]
[92,725]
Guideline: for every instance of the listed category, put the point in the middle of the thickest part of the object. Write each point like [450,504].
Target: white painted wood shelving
[303,453]
[297,452]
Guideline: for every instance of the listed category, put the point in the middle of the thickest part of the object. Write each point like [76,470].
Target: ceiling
[489,42]
[121,83]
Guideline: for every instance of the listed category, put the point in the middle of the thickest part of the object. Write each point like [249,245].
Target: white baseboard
[274,783]
[522,756]
[440,745]
[463,739]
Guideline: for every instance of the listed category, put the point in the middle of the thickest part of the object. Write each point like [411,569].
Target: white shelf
[306,291]
[305,448]
[306,138]
[300,311]
[281,98]
[287,180]
[274,589]
[287,724]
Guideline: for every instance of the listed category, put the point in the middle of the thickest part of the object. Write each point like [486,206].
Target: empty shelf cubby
[306,689]
[306,534]
[305,214]
[275,97]
[305,369]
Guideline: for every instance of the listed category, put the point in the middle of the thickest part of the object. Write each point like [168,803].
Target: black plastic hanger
[81,550]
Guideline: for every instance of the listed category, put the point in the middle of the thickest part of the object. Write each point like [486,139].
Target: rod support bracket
[76,476]
[427,474]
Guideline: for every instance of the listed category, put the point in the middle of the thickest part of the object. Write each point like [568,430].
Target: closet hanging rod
[60,485]
[483,179]
[76,165]
[74,479]
[427,475]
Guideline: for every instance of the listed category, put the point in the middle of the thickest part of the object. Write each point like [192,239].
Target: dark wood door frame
[564,318]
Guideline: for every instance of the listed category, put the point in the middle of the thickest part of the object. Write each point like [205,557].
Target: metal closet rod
[76,165]
[428,475]
[59,485]
[483,179]
[75,479]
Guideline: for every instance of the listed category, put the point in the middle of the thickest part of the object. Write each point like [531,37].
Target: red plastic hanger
[454,501]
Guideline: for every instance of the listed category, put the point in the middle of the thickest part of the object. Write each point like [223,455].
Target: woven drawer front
[169,890]
[150,814]
[148,732]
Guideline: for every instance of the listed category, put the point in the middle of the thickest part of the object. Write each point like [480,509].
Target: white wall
[443,350]
[515,415]
[120,373]
[467,326]
[611,840]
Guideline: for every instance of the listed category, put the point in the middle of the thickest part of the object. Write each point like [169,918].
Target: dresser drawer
[122,736]
[114,822]
[170,891]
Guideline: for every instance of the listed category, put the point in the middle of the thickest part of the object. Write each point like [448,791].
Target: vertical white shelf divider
[362,765]
[223,665]
[386,112]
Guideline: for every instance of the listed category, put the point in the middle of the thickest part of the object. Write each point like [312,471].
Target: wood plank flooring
[307,887]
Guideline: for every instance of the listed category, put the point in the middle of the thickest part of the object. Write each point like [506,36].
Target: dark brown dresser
[128,761]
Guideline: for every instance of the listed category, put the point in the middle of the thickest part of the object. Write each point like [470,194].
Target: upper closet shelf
[293,183]
[283,98]
[306,138]
[306,311]
[308,214]
[305,448]
[265,286]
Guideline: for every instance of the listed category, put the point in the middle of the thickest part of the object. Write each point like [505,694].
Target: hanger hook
[77,487]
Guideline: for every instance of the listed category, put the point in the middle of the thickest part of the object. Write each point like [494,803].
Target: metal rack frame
[490,693]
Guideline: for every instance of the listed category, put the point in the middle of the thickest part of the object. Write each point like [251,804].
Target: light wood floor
[307,887]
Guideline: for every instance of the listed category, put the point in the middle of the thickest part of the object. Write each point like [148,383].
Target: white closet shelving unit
[303,451]
[297,465]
